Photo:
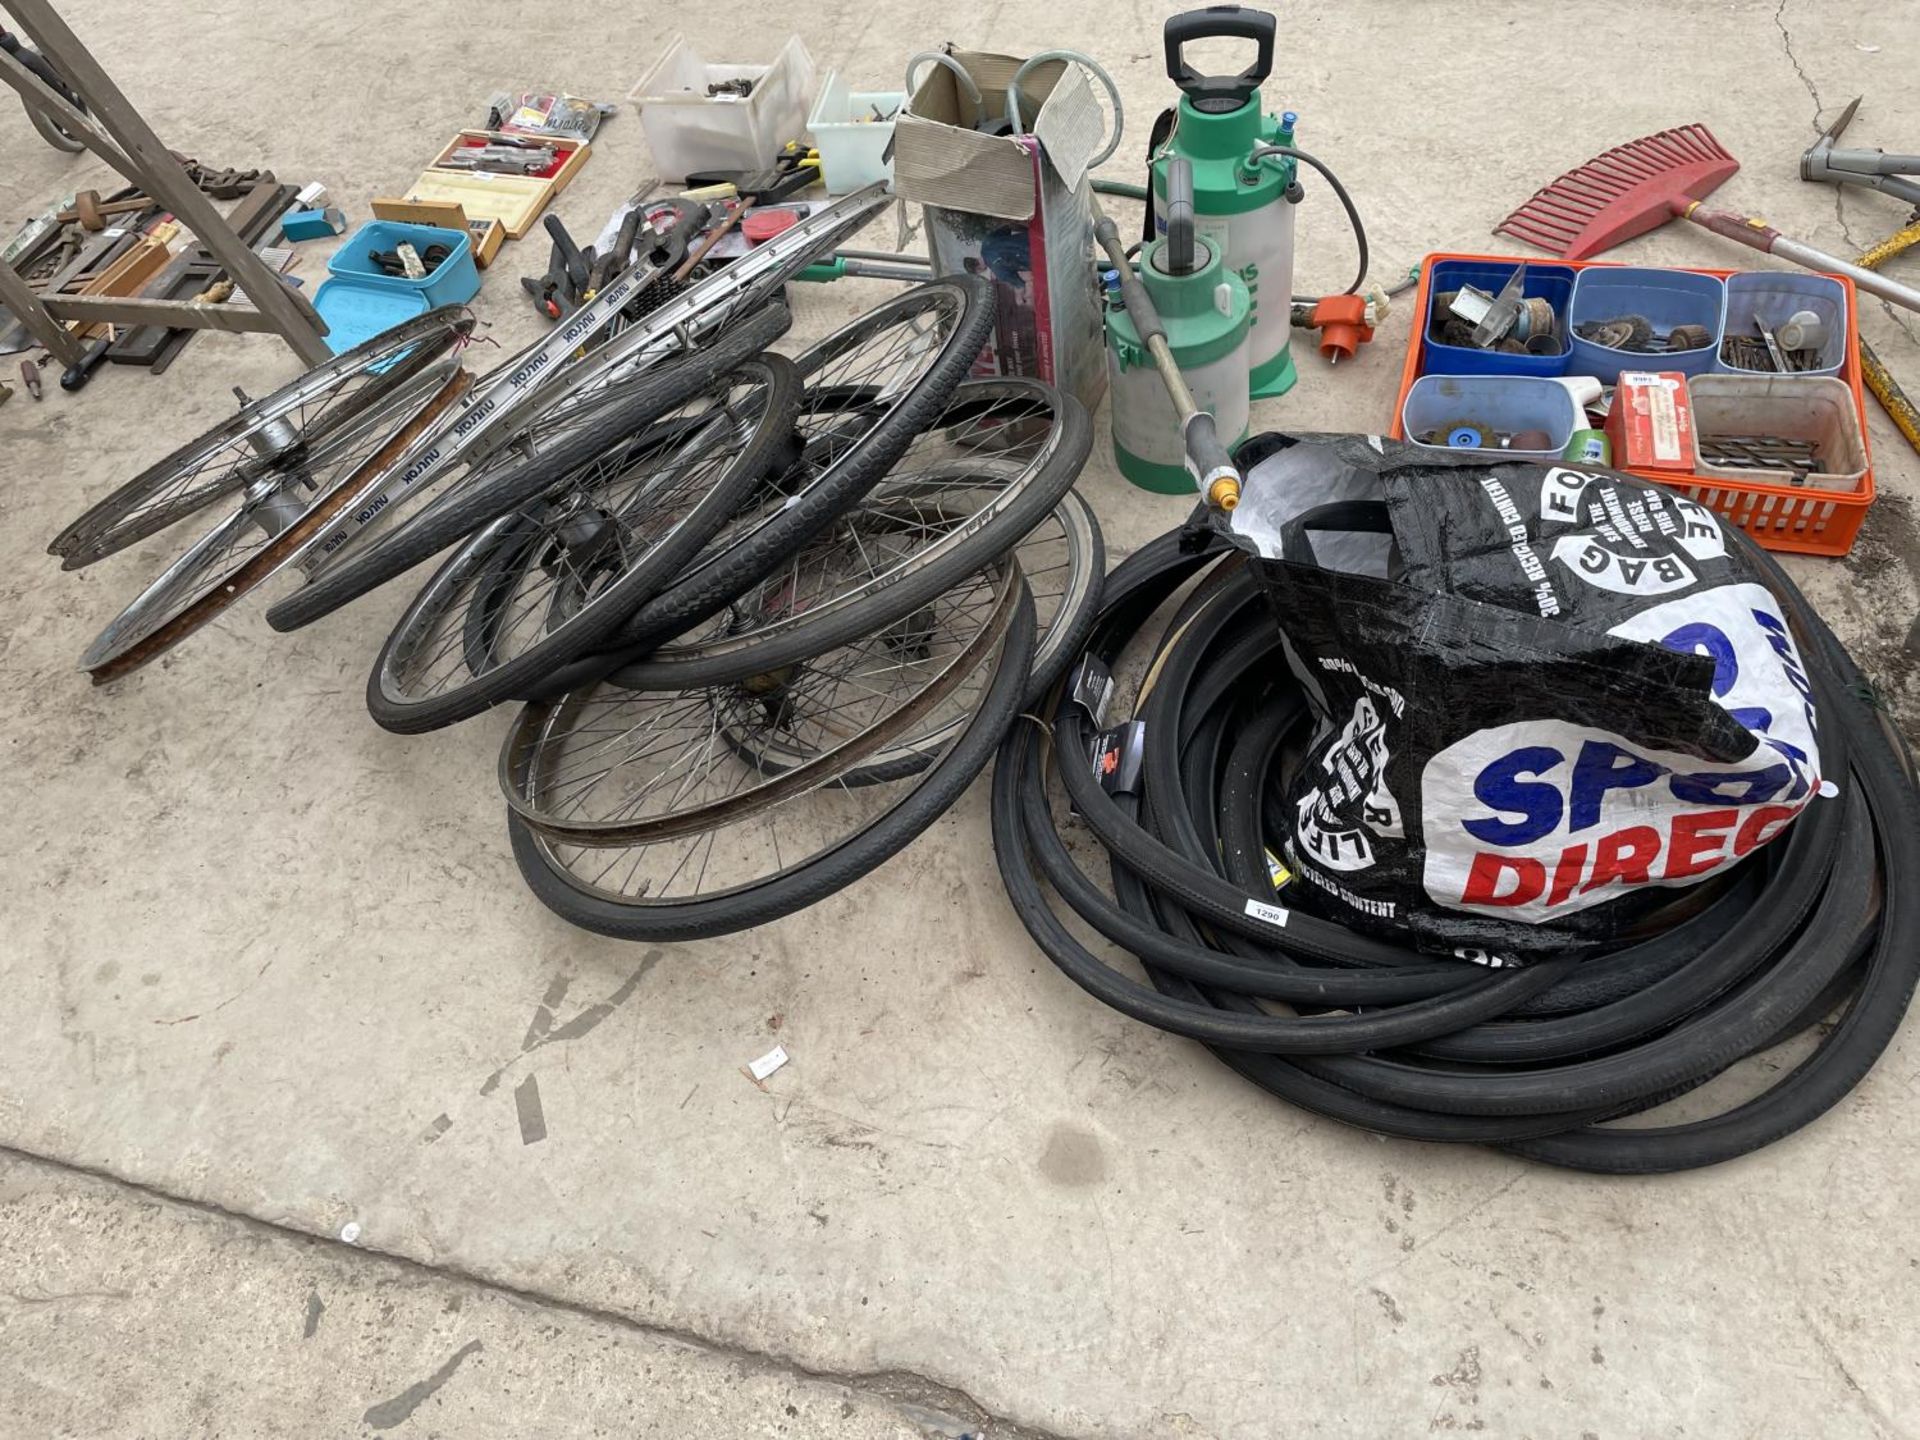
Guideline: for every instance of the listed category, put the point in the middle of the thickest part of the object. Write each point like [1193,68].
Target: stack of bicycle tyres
[764,616]
[1801,961]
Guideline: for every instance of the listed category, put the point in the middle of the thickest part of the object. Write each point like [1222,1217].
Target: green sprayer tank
[1242,207]
[1204,310]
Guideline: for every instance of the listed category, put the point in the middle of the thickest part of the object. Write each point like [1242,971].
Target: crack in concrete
[899,1387]
[1901,322]
[57,1297]
[1786,43]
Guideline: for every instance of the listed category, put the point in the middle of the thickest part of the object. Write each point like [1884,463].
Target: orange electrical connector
[1343,325]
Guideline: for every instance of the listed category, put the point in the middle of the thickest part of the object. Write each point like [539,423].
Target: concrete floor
[264,959]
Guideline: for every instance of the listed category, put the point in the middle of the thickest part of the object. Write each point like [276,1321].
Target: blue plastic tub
[454,281]
[355,309]
[1552,283]
[1774,295]
[1666,297]
[1491,403]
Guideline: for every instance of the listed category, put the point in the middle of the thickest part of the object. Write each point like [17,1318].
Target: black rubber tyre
[900,596]
[808,882]
[469,503]
[1539,1060]
[476,574]
[716,578]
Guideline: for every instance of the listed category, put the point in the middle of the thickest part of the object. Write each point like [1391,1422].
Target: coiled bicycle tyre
[1540,1059]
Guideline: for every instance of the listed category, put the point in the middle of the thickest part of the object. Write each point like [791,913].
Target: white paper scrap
[768,1063]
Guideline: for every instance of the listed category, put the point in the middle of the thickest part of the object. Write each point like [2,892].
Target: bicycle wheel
[1001,456]
[607,766]
[279,512]
[302,425]
[780,857]
[546,582]
[871,387]
[597,347]
[1063,560]
[567,430]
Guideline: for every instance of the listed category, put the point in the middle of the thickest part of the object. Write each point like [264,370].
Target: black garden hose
[1535,1059]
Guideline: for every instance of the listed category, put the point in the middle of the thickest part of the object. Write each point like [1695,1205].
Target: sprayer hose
[1140,192]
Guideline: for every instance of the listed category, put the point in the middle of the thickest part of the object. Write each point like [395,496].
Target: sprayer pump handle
[1217,94]
[1179,258]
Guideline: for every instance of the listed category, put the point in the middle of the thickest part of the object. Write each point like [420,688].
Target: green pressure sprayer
[1204,314]
[1223,306]
[1200,326]
[1245,180]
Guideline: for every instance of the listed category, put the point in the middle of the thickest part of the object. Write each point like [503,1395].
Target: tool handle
[1216,93]
[1893,185]
[1891,397]
[570,257]
[1180,257]
[690,219]
[1872,281]
[81,371]
[1759,235]
[1872,162]
[621,256]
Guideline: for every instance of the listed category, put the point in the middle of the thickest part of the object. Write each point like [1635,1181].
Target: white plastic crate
[691,131]
[853,152]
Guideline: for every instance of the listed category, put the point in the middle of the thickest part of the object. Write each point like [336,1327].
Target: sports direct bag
[1546,696]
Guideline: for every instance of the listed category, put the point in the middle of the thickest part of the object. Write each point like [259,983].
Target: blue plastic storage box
[454,281]
[1552,283]
[1492,403]
[1665,297]
[356,310]
[1774,295]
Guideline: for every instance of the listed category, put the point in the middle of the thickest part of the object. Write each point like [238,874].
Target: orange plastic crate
[1779,517]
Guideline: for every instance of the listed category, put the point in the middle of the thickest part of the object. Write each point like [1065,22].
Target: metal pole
[19,298]
[152,166]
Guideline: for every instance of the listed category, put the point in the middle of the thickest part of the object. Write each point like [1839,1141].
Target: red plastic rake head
[1631,189]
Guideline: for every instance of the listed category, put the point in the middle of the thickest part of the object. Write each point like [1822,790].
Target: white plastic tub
[691,131]
[853,152]
[1795,407]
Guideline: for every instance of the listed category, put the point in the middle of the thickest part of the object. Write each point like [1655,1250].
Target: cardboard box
[1015,209]
[1651,422]
[487,234]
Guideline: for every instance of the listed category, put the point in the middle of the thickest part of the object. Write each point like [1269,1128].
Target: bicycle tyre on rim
[512,540]
[583,353]
[219,569]
[128,515]
[620,771]
[465,507]
[912,583]
[1060,634]
[819,876]
[711,583]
